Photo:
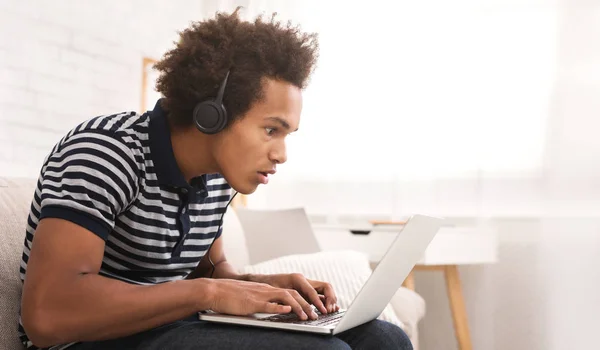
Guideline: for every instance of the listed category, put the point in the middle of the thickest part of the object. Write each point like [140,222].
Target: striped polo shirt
[117,176]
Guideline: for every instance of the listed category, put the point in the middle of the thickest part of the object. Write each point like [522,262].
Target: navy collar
[165,164]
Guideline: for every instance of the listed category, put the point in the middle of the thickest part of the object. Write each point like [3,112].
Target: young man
[127,206]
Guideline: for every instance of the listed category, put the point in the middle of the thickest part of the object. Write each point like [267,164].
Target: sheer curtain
[437,107]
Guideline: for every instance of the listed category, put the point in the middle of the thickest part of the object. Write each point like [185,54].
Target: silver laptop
[406,250]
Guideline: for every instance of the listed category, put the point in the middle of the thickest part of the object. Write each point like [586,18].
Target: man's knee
[378,335]
[390,334]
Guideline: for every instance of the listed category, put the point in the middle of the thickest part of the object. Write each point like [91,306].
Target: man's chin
[245,190]
[245,193]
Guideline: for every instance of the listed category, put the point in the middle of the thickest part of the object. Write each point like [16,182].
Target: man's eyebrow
[281,121]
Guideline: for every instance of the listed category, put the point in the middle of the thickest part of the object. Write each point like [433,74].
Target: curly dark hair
[252,51]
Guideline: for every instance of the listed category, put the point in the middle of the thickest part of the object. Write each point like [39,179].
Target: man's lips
[263,176]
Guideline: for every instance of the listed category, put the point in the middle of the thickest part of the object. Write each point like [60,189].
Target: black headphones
[210,116]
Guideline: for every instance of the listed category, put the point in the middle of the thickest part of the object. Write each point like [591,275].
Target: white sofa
[15,200]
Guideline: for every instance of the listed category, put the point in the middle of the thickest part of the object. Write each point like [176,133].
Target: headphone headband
[221,92]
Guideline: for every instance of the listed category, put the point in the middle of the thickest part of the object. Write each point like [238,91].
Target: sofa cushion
[347,271]
[15,200]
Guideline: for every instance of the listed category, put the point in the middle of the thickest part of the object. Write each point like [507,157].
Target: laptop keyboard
[322,320]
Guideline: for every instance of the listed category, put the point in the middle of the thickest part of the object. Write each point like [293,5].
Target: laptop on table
[405,251]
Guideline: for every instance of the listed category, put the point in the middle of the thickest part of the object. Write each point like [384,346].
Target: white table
[451,247]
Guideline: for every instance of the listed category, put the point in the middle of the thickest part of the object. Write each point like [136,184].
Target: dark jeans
[194,334]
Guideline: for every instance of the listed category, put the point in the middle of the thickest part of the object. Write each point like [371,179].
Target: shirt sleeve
[89,180]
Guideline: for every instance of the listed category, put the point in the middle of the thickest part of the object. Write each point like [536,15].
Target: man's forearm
[92,307]
[225,270]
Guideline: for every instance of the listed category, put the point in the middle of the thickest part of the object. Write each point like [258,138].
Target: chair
[271,234]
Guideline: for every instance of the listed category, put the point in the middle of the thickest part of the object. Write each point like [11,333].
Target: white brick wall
[64,61]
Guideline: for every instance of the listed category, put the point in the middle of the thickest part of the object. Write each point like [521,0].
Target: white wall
[544,292]
[65,61]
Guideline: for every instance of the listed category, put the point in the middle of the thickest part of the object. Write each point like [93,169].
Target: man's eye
[270,131]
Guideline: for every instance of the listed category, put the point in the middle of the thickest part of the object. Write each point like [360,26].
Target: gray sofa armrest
[15,200]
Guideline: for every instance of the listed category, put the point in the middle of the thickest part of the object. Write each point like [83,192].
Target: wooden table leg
[409,282]
[457,306]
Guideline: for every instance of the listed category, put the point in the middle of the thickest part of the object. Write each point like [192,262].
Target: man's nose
[278,154]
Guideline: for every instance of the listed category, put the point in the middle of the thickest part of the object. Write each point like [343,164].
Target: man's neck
[193,153]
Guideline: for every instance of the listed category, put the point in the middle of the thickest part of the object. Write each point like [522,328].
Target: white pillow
[347,271]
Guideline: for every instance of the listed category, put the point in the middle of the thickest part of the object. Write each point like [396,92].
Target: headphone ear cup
[210,117]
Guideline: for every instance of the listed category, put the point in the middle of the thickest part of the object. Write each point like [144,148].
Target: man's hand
[320,294]
[235,297]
